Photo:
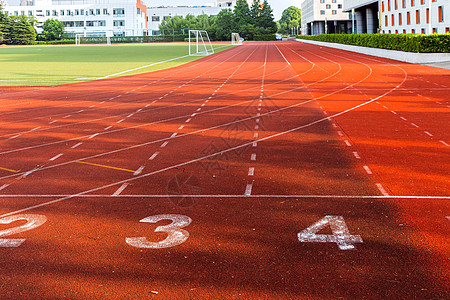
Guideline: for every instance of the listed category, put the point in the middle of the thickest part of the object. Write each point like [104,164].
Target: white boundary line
[232,196]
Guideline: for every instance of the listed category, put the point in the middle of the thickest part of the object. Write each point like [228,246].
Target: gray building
[324,16]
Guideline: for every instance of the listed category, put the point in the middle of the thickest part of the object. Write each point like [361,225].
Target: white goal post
[80,39]
[236,39]
[199,43]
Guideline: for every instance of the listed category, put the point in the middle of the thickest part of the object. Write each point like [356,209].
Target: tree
[241,14]
[5,25]
[223,26]
[266,20]
[52,30]
[291,17]
[22,31]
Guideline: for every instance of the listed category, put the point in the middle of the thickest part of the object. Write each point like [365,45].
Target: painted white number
[176,235]
[341,236]
[33,221]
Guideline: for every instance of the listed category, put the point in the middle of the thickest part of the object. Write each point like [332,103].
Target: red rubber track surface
[248,147]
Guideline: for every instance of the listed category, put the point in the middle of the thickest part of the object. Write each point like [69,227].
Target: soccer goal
[80,39]
[199,43]
[236,39]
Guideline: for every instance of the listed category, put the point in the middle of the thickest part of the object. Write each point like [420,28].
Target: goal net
[236,39]
[80,39]
[199,43]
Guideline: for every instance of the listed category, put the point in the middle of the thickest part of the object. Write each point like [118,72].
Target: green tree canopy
[21,31]
[291,17]
[52,30]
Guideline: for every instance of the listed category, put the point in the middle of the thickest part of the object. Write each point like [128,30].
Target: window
[97,11]
[82,12]
[334,12]
[30,13]
[408,18]
[61,12]
[428,15]
[413,31]
[339,5]
[47,13]
[422,31]
[77,12]
[389,5]
[422,1]
[101,23]
[412,3]
[68,12]
[334,1]
[119,23]
[399,19]
[382,6]
[395,4]
[404,3]
[447,29]
[89,23]
[417,17]
[54,13]
[119,12]
[322,12]
[166,17]
[328,6]
[434,30]
[91,12]
[404,31]
[392,20]
[105,11]
[322,1]
[385,21]
[441,14]
[79,23]
[155,18]
[396,31]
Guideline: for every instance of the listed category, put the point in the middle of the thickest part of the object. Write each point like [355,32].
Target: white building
[157,14]
[88,17]
[415,16]
[324,16]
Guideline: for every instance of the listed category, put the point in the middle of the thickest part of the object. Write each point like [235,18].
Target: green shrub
[433,43]
[264,37]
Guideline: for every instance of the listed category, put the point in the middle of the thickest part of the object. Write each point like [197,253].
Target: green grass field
[61,64]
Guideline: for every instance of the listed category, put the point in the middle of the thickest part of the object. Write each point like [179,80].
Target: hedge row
[264,37]
[60,42]
[434,43]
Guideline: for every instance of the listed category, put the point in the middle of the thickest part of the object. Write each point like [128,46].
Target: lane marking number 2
[33,221]
[341,236]
[176,235]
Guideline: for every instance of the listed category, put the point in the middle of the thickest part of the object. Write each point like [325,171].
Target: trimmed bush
[433,43]
[264,37]
[61,42]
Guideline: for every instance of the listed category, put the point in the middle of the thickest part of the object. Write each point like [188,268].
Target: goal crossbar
[236,39]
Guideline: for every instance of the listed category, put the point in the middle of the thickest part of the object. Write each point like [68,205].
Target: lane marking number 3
[176,235]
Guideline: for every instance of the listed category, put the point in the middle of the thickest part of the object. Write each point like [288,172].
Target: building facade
[87,17]
[157,14]
[364,15]
[324,16]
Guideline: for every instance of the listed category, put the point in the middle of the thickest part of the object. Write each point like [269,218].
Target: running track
[270,170]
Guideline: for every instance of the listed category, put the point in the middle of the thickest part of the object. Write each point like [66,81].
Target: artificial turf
[61,64]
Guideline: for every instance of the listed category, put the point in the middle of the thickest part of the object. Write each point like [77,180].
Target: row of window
[422,31]
[440,17]
[395,4]
[332,1]
[158,18]
[333,12]
[328,6]
[96,23]
[117,12]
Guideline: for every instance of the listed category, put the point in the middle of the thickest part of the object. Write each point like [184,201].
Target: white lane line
[193,115]
[251,171]
[188,120]
[255,144]
[253,156]
[356,155]
[120,190]
[93,136]
[444,143]
[203,104]
[181,127]
[52,122]
[257,120]
[368,170]
[256,127]
[4,186]
[248,189]
[426,132]
[26,174]
[74,146]
[164,144]
[92,106]
[255,135]
[35,128]
[199,109]
[404,119]
[68,116]
[153,156]
[382,190]
[174,135]
[139,110]
[139,171]
[106,128]
[120,121]
[340,133]
[415,125]
[130,115]
[393,112]
[56,157]
[13,137]
[334,125]
[347,143]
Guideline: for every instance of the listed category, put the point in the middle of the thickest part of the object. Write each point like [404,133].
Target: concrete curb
[410,57]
